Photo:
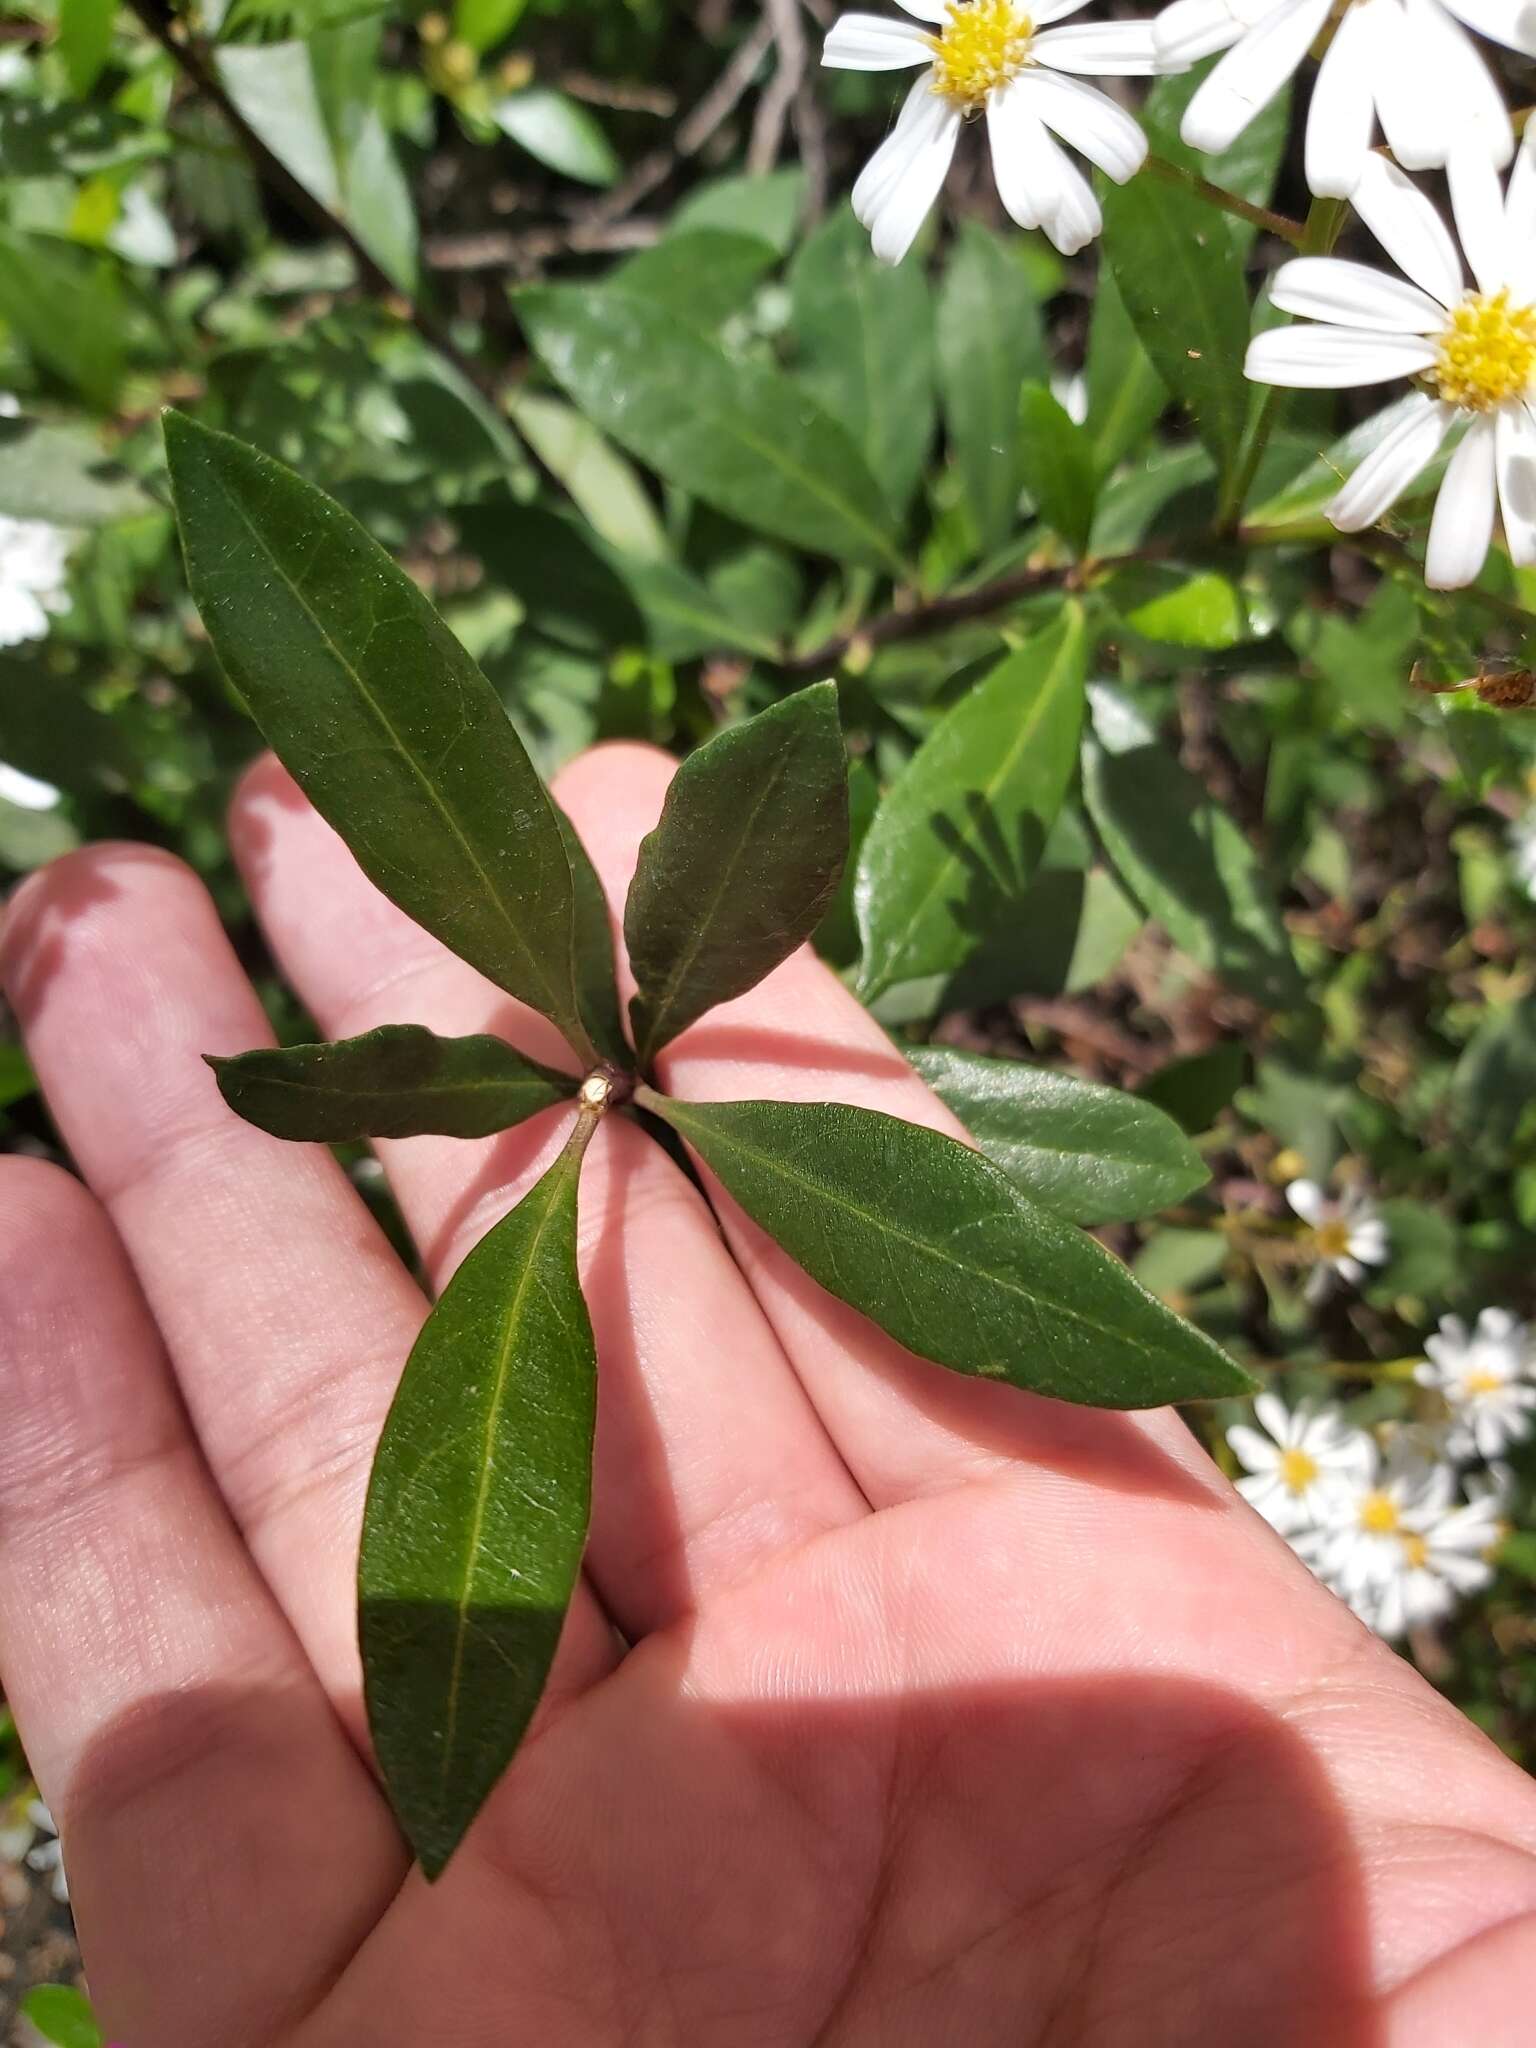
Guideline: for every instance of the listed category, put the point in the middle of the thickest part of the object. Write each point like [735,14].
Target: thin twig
[773,108]
[175,39]
[1229,202]
[501,249]
[961,606]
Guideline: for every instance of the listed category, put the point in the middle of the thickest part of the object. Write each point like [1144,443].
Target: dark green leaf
[476,1517]
[938,1246]
[1196,1089]
[1181,277]
[560,132]
[865,330]
[395,1082]
[1181,607]
[1056,465]
[741,436]
[85,40]
[1184,860]
[956,840]
[702,277]
[989,340]
[745,859]
[597,988]
[1092,1154]
[1125,393]
[47,729]
[1249,167]
[552,563]
[379,715]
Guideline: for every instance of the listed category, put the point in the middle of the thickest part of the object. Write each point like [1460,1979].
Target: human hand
[949,1714]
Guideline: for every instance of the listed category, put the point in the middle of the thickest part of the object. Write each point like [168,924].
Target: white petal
[1251,74]
[927,10]
[1511,22]
[1354,295]
[1272,1412]
[1254,1453]
[1477,200]
[1013,133]
[1462,82]
[1342,117]
[1308,1200]
[1192,29]
[1101,49]
[1087,119]
[1520,217]
[1044,12]
[873,42]
[902,179]
[1515,436]
[1463,523]
[1350,1271]
[1335,358]
[1416,112]
[1410,230]
[1077,219]
[918,111]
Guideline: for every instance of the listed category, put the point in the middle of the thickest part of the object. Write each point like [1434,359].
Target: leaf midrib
[554,1008]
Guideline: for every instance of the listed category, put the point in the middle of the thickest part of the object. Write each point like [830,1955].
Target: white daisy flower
[1292,1471]
[1370,1516]
[1070,391]
[47,1858]
[1409,64]
[1473,352]
[34,559]
[1344,1236]
[1434,1569]
[1481,1374]
[1000,58]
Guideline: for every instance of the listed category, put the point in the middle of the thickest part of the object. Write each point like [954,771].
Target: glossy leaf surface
[395,1082]
[1094,1155]
[959,835]
[941,1249]
[476,1517]
[379,715]
[744,861]
[740,436]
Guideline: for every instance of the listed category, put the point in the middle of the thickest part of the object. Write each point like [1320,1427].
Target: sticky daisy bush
[1126,407]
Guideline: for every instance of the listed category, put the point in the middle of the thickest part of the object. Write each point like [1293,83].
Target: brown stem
[175,39]
[1229,202]
[918,620]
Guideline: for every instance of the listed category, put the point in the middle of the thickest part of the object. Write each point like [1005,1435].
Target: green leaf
[379,715]
[938,1246]
[1184,860]
[740,436]
[476,1517]
[1125,393]
[47,729]
[62,474]
[559,132]
[1249,167]
[597,988]
[957,838]
[1056,465]
[273,86]
[703,277]
[1180,607]
[85,40]
[766,205]
[64,306]
[604,487]
[865,330]
[63,2015]
[990,339]
[1092,1154]
[484,23]
[746,857]
[395,1082]
[1181,277]
[1196,1089]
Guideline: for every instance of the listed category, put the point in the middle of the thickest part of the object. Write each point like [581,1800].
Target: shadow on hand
[1114,1861]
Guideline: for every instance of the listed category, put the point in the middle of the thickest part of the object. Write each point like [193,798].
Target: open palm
[894,1707]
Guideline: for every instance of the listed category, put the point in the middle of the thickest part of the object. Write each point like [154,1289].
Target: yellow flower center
[1378,1514]
[1481,1383]
[1487,353]
[981,46]
[1297,1471]
[1331,1239]
[1416,1550]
